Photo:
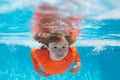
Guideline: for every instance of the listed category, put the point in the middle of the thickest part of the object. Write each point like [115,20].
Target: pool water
[98,47]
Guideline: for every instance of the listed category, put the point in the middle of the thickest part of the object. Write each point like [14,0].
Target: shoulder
[73,50]
[34,50]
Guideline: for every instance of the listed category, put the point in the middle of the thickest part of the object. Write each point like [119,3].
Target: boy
[57,57]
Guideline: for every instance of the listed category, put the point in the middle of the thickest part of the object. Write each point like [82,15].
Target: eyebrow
[65,44]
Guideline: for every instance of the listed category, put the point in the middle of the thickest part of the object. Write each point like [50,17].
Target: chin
[60,58]
[57,58]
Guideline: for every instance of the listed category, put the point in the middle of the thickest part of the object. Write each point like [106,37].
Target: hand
[45,74]
[75,69]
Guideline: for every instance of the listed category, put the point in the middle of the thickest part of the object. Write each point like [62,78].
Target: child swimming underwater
[58,54]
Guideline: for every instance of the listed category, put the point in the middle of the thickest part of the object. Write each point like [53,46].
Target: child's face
[58,50]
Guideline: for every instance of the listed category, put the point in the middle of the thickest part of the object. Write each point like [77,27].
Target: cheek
[54,50]
[64,51]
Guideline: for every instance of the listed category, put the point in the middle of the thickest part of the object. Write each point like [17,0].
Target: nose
[60,51]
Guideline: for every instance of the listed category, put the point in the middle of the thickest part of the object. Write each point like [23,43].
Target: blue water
[98,47]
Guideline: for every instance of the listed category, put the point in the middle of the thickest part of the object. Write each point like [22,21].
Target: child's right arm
[36,65]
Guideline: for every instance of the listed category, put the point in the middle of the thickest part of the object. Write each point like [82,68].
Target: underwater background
[98,45]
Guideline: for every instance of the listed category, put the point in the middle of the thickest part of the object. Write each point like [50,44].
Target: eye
[55,47]
[63,47]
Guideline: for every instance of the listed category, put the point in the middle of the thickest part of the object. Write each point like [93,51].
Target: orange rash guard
[41,57]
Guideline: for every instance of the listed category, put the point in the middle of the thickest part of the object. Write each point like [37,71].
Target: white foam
[22,4]
[89,27]
[116,35]
[19,4]
[109,15]
[21,33]
[97,44]
[23,40]
[85,7]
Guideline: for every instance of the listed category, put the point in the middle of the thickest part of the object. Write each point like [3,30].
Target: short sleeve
[76,55]
[35,62]
[77,59]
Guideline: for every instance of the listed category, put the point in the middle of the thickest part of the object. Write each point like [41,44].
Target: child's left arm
[77,66]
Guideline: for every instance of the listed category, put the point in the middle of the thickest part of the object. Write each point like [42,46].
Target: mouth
[59,55]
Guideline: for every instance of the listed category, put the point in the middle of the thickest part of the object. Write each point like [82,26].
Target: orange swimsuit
[41,57]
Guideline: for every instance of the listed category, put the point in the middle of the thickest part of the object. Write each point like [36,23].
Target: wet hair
[53,37]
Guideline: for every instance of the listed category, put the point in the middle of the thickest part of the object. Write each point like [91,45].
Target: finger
[74,71]
[48,75]
[71,70]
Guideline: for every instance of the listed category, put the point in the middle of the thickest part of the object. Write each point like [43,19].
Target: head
[58,47]
[53,37]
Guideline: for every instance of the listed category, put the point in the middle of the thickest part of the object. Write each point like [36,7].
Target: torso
[52,66]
